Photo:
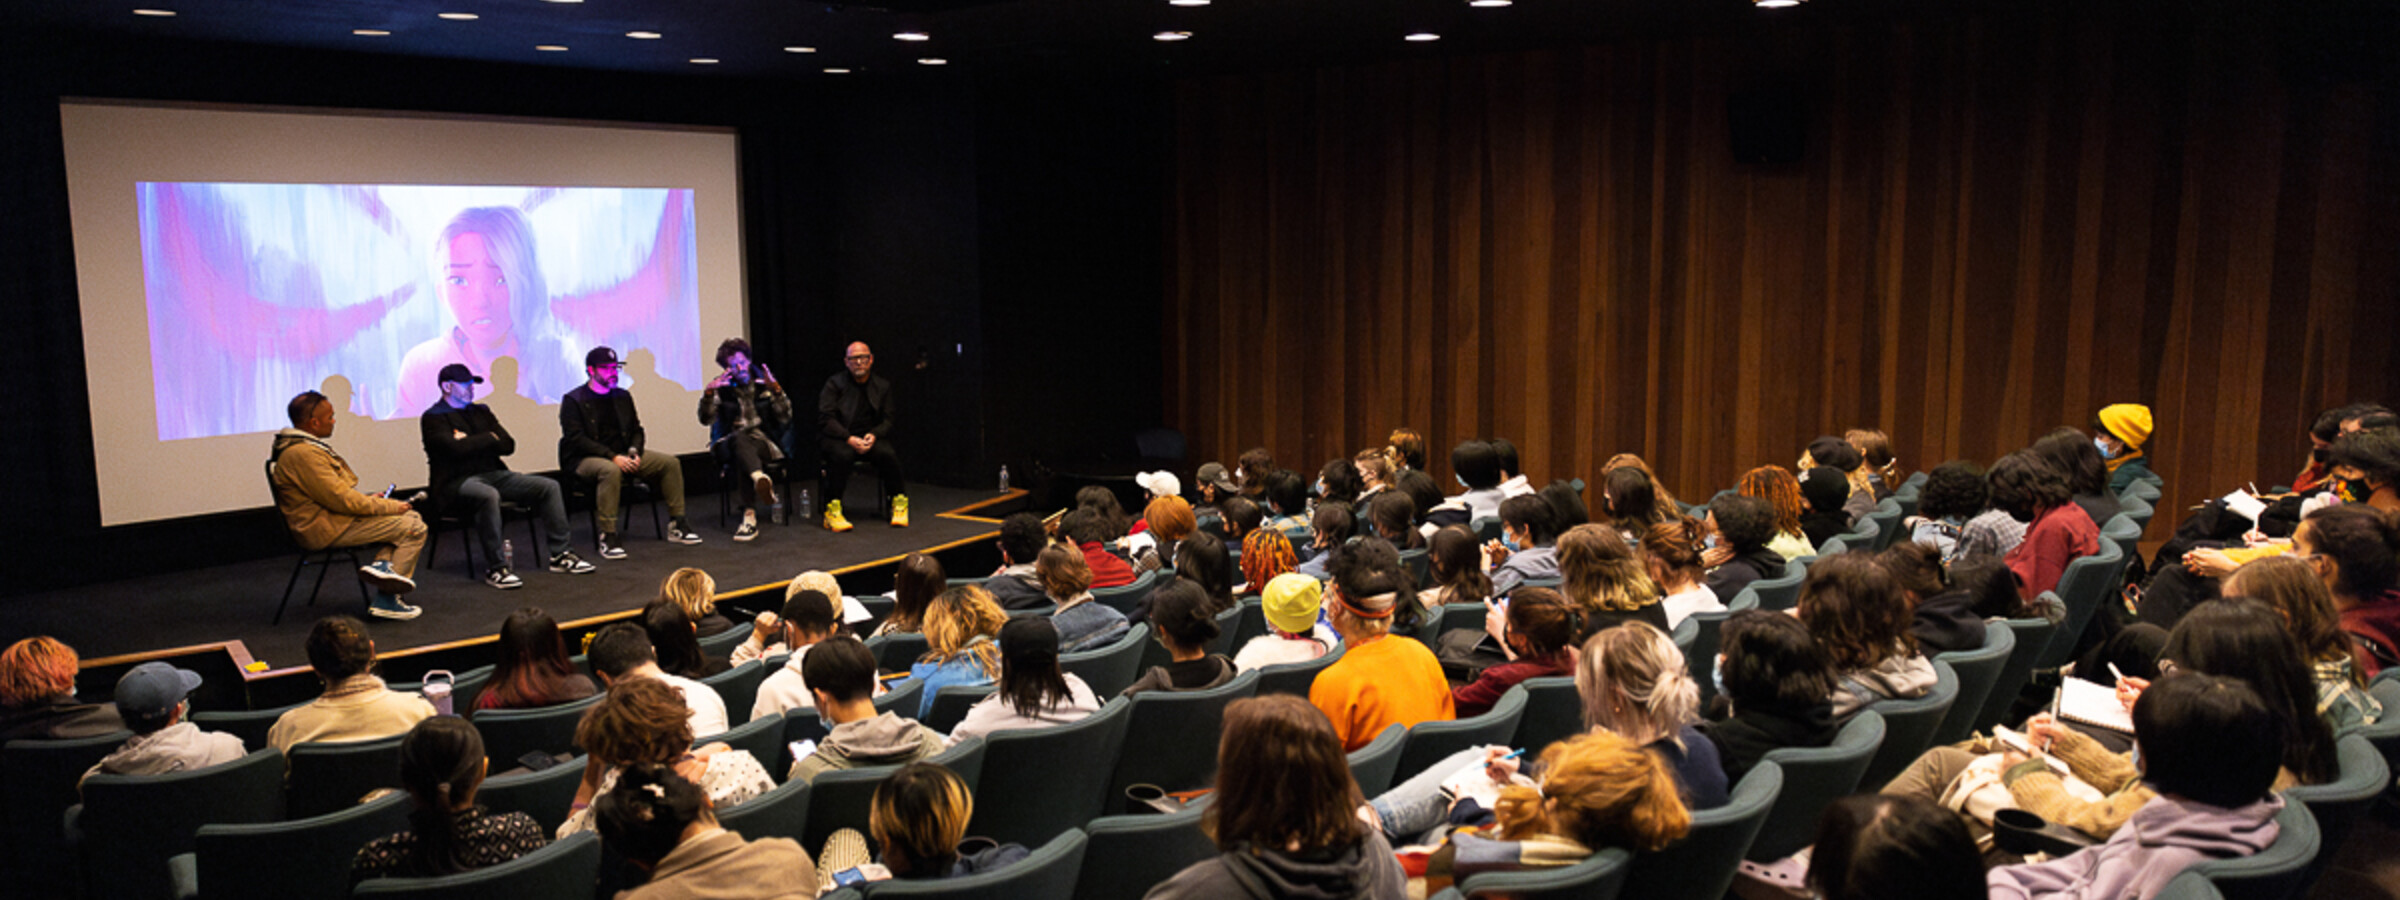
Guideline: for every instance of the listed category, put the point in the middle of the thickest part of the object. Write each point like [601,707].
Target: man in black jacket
[600,440]
[854,416]
[463,444]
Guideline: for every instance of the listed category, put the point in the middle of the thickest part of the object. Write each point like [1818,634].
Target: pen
[2112,670]
[1512,754]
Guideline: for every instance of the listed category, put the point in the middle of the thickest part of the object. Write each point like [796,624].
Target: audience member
[1215,486]
[1658,486]
[1391,515]
[672,637]
[1155,486]
[1016,586]
[2056,532]
[1744,528]
[1034,692]
[1777,681]
[1513,482]
[1201,559]
[1841,456]
[1881,467]
[915,582]
[1606,581]
[1187,628]
[696,592]
[1375,471]
[807,622]
[2073,454]
[355,706]
[1537,627]
[1088,530]
[766,640]
[1170,522]
[1954,493]
[1424,494]
[2290,587]
[2120,431]
[643,721]
[1477,466]
[1380,679]
[1875,847]
[441,765]
[2356,550]
[1781,490]
[621,652]
[1294,634]
[1596,790]
[153,699]
[1339,481]
[1671,556]
[1266,553]
[664,824]
[1287,505]
[1527,548]
[1082,623]
[919,816]
[840,674]
[962,632]
[1454,559]
[2210,747]
[1284,819]
[1634,683]
[1406,448]
[1942,616]
[1566,504]
[533,668]
[1632,503]
[1330,525]
[1251,470]
[1856,610]
[37,695]
[1825,490]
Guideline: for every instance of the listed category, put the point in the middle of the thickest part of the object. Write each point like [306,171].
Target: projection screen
[229,259]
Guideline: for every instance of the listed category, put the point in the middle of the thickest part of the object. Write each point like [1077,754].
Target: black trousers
[838,457]
[745,453]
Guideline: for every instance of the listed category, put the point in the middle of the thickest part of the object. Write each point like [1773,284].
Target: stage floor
[237,601]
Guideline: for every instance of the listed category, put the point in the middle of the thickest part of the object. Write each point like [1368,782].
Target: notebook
[2092,704]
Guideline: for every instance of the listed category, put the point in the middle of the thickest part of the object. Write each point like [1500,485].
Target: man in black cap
[600,440]
[463,445]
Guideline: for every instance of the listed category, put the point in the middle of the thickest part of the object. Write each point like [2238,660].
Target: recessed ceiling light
[933,61]
[1423,36]
[1172,36]
[704,61]
[458,17]
[370,32]
[153,12]
[563,1]
[837,71]
[1776,4]
[799,49]
[555,48]
[1187,2]
[1489,3]
[912,36]
[644,35]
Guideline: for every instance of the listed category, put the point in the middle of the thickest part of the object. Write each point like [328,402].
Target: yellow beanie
[1291,601]
[2130,422]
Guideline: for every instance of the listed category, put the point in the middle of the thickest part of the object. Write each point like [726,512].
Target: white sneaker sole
[401,614]
[387,582]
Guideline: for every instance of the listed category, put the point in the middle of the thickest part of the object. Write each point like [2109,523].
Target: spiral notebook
[2092,704]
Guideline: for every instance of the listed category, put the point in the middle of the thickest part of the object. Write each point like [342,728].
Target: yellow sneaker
[833,517]
[899,510]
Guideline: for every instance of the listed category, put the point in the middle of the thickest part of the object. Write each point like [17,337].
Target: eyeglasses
[859,357]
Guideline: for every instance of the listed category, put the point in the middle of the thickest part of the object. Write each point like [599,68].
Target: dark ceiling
[749,38]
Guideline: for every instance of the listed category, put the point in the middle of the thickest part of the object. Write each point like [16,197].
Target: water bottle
[805,509]
[438,692]
[508,554]
[1004,479]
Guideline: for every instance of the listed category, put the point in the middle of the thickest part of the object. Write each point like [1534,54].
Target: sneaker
[567,563]
[386,606]
[833,517]
[379,574]
[500,577]
[899,510]
[748,529]
[612,546]
[678,532]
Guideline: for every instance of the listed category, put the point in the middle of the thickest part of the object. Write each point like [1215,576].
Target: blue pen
[1512,754]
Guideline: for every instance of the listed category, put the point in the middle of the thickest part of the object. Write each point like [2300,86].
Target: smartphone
[849,876]
[802,748]
[2014,739]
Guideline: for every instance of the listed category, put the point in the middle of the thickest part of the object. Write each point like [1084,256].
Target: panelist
[854,416]
[600,440]
[744,409]
[320,501]
[463,446]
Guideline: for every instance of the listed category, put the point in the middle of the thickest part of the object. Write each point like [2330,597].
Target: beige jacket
[318,493]
[358,709]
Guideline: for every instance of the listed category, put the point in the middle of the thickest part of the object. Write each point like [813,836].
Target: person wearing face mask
[2121,431]
[1476,465]
[2355,548]
[2361,467]
[1525,550]
[808,619]
[2057,532]
[1777,682]
[840,675]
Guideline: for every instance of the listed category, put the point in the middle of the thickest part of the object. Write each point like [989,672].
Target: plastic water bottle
[508,554]
[1004,478]
[806,509]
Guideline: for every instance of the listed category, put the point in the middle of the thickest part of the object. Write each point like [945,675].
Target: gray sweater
[1364,870]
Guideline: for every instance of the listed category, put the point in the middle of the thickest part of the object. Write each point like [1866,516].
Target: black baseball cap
[457,372]
[600,357]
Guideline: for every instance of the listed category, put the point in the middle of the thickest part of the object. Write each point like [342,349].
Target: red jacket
[1476,698]
[2056,538]
[2374,627]
[1108,569]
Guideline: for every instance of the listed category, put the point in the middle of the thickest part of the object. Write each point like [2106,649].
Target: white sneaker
[386,606]
[500,577]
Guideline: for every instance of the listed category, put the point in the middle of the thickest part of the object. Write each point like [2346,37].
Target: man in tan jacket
[320,500]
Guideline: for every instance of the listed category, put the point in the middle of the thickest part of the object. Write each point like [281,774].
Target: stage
[234,603]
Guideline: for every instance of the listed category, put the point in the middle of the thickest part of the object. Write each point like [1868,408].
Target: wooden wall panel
[1999,226]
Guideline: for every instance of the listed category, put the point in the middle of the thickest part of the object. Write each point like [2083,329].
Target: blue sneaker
[379,575]
[387,606]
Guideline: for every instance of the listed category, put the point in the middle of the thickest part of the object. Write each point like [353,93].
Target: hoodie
[1947,623]
[1366,869]
[1209,671]
[2165,837]
[1737,573]
[1744,738]
[181,747]
[885,740]
[1900,676]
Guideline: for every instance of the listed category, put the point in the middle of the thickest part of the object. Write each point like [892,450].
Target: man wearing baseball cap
[600,440]
[464,442]
[151,700]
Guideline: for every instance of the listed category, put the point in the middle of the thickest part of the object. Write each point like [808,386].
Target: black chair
[1375,765]
[1295,678]
[128,826]
[321,558]
[1431,742]
[1131,854]
[308,857]
[839,798]
[1814,777]
[1031,796]
[565,870]
[546,795]
[778,470]
[1702,865]
[329,777]
[509,734]
[1110,669]
[1553,713]
[1171,740]
[951,702]
[1978,674]
[630,490]
[782,812]
[1049,872]
[897,651]
[37,784]
[458,517]
[738,686]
